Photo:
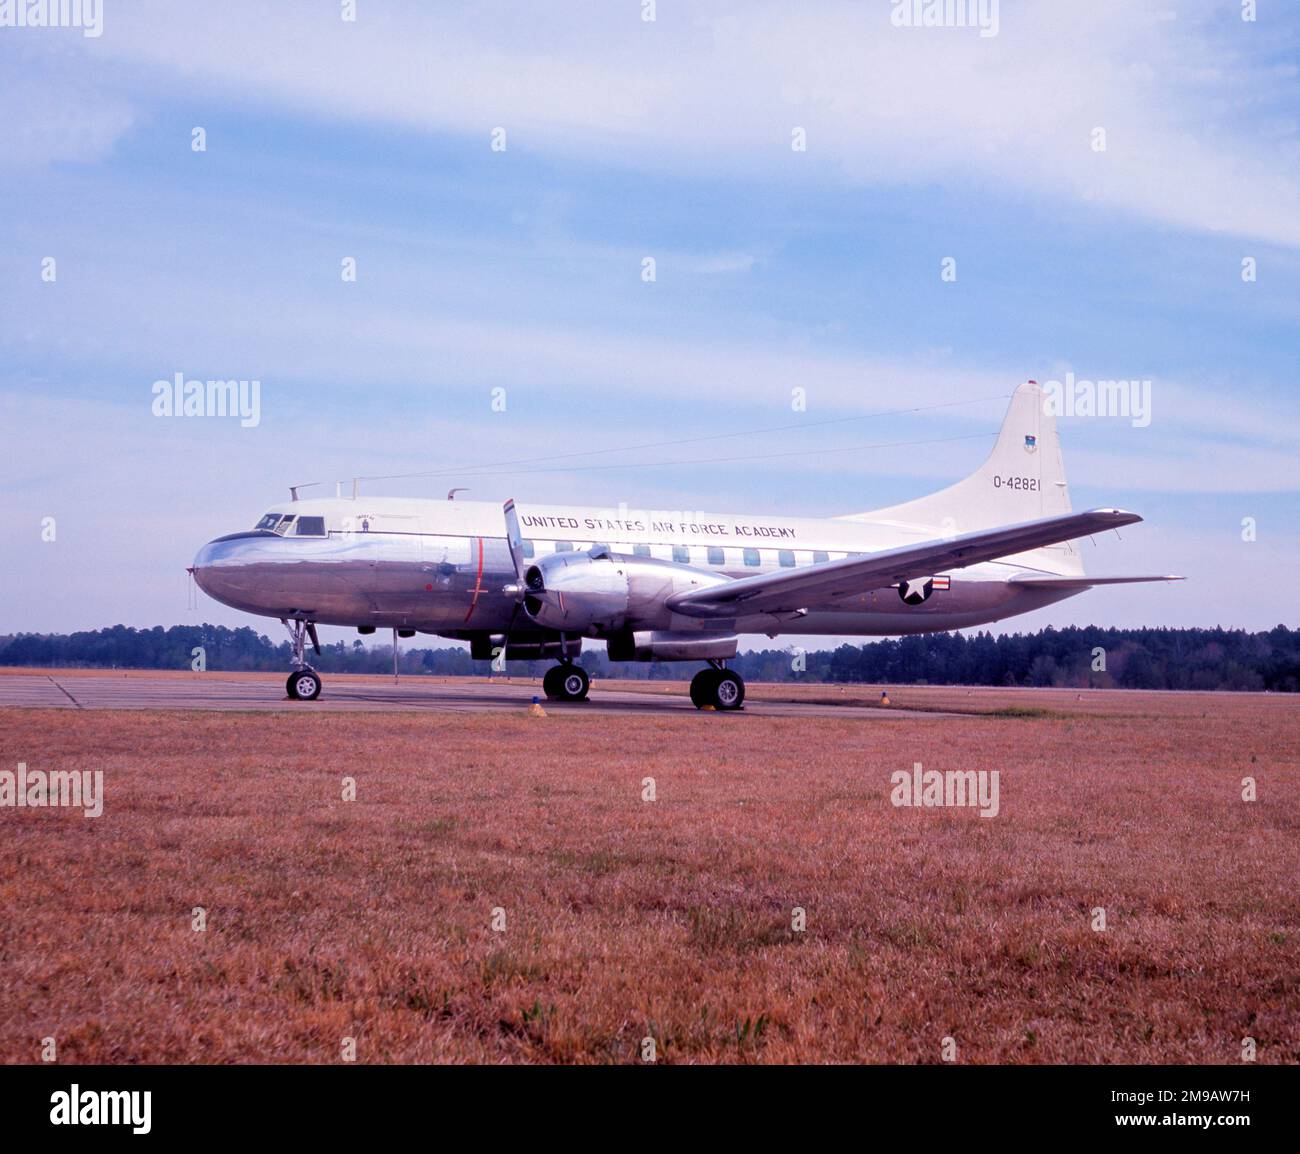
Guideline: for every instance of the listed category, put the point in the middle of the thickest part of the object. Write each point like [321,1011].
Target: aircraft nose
[220,567]
[205,558]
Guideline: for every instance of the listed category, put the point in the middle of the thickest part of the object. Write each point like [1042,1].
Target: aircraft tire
[304,685]
[573,682]
[702,688]
[566,682]
[728,690]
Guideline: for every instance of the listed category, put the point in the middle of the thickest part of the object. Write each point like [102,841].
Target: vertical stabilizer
[1022,479]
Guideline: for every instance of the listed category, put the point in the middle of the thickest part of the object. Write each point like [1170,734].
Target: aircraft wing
[1044,581]
[794,589]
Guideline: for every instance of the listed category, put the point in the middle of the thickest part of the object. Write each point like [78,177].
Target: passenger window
[820,556]
[311,527]
[786,557]
[641,550]
[716,556]
[528,548]
[751,557]
[564,546]
[682,554]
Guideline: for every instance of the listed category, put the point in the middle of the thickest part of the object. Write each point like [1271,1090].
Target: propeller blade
[505,639]
[315,641]
[515,543]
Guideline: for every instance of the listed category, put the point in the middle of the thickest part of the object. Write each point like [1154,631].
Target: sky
[523,268]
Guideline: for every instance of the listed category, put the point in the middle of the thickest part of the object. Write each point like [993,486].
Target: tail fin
[1022,479]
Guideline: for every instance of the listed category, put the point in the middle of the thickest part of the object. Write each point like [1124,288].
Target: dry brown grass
[669,918]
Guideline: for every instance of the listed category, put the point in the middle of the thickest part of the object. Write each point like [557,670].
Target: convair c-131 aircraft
[537,580]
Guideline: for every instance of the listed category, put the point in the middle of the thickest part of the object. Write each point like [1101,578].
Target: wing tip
[1125,516]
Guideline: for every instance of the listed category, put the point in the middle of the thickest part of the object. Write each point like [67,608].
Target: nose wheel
[718,687]
[304,683]
[566,682]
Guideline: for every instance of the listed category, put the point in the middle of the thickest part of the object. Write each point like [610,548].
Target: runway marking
[64,692]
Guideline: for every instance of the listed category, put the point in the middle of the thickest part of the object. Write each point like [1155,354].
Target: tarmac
[265,692]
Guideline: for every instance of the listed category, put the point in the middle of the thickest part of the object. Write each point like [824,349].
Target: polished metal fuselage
[439,567]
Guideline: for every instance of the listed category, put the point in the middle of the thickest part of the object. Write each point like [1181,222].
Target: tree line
[1074,657]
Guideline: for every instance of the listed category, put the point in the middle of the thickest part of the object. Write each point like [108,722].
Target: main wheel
[729,690]
[305,685]
[719,688]
[572,682]
[551,681]
[702,688]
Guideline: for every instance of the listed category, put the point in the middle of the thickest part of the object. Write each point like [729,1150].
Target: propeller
[515,543]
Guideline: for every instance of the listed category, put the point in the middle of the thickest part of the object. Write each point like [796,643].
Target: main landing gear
[566,682]
[717,686]
[304,683]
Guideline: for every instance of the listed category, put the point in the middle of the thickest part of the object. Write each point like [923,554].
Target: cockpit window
[290,524]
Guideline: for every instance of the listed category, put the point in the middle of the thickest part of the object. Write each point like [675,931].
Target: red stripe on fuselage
[478,581]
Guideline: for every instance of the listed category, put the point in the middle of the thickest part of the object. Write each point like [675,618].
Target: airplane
[533,581]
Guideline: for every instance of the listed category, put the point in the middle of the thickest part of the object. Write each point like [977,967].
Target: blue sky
[522,270]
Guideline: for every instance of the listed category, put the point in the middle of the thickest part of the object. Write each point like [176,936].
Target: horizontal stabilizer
[794,589]
[1033,580]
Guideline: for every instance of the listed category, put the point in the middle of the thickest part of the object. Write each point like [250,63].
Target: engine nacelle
[661,645]
[600,592]
[574,591]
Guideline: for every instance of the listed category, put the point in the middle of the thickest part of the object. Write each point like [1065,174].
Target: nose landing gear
[717,686]
[566,682]
[304,683]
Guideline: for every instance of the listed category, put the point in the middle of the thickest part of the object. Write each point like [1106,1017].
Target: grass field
[671,919]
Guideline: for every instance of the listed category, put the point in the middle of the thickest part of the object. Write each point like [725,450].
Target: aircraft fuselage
[443,567]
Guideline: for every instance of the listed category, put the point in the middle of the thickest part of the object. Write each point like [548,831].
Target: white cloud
[717,88]
[316,357]
[56,108]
